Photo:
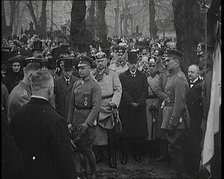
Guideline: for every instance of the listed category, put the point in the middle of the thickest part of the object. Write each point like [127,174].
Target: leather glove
[83,128]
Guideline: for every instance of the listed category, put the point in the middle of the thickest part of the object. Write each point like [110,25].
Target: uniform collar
[105,70]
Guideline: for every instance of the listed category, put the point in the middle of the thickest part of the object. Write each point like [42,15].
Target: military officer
[175,118]
[84,108]
[111,89]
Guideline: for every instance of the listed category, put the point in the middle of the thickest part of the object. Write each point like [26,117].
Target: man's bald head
[193,72]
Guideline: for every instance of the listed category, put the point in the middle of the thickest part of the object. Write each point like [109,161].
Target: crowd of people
[58,103]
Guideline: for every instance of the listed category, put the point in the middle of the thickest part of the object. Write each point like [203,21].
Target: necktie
[191,84]
[67,81]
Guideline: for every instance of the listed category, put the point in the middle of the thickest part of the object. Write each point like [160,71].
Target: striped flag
[214,113]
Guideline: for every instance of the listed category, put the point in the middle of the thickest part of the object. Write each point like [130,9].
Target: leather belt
[83,108]
[108,96]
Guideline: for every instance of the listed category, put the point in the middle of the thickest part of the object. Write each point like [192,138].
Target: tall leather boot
[112,156]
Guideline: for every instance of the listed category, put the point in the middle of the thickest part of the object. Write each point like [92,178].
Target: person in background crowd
[5,96]
[132,109]
[21,94]
[15,73]
[42,135]
[175,113]
[195,108]
[84,108]
[63,88]
[111,90]
[152,106]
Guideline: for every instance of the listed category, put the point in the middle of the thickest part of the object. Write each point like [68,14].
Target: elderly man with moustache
[111,90]
[195,108]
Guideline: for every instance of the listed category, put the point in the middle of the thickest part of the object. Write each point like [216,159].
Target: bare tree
[77,22]
[13,7]
[189,27]
[152,27]
[101,27]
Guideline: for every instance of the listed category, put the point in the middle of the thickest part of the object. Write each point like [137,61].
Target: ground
[146,169]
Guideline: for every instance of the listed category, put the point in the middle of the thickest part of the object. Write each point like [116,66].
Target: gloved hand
[69,127]
[83,128]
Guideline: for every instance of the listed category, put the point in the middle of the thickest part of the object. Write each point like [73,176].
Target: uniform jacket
[111,92]
[177,90]
[42,137]
[63,95]
[18,97]
[134,89]
[85,102]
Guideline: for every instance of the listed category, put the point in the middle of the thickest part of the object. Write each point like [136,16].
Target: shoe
[138,158]
[124,159]
[99,158]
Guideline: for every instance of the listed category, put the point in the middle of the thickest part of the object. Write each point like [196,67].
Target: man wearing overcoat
[42,135]
[111,90]
[133,108]
[63,88]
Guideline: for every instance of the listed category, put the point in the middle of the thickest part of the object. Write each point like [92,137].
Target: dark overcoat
[42,137]
[63,95]
[134,89]
[195,109]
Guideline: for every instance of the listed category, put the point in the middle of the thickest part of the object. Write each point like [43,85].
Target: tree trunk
[77,22]
[125,25]
[16,23]
[116,19]
[189,26]
[12,14]
[92,16]
[43,19]
[3,15]
[152,25]
[30,6]
[101,28]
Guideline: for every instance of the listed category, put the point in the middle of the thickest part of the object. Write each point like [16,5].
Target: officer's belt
[83,108]
[151,96]
[108,96]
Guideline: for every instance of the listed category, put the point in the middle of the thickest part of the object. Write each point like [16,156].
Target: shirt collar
[133,73]
[40,97]
[194,80]
[105,70]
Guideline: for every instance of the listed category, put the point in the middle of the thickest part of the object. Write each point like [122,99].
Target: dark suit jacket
[134,89]
[63,95]
[42,137]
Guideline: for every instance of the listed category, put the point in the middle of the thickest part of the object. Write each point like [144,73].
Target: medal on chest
[85,101]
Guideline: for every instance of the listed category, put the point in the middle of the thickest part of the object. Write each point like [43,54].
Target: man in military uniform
[21,94]
[175,118]
[111,89]
[83,111]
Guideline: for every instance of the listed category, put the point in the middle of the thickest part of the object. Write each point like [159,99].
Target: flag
[214,113]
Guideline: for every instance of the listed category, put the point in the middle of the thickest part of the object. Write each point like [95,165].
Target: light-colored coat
[111,92]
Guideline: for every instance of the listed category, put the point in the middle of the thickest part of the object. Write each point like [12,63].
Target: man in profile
[42,135]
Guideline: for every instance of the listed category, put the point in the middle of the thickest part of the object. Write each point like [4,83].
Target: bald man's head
[193,72]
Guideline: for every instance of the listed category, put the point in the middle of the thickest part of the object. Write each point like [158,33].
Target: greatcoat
[134,89]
